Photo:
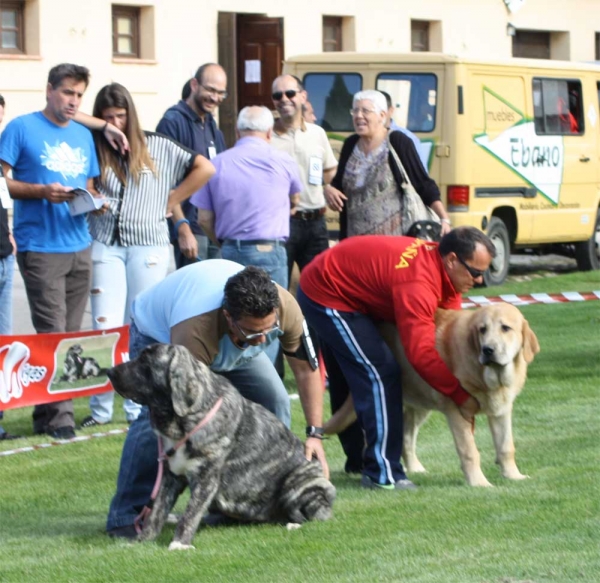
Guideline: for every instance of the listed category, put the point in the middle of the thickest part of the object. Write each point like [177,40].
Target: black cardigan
[426,187]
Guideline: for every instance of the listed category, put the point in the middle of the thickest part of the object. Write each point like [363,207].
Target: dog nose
[487,350]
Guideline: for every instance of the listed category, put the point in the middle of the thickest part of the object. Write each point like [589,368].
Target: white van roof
[428,57]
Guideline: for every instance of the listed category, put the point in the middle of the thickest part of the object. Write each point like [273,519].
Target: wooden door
[260,58]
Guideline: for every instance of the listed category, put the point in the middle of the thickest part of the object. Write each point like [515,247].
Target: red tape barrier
[528,299]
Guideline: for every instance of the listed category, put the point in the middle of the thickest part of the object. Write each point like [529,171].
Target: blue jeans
[119,274]
[272,258]
[256,380]
[7,272]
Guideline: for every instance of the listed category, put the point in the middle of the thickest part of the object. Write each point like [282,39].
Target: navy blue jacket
[182,124]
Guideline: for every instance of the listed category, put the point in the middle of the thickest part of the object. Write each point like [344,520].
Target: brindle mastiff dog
[243,462]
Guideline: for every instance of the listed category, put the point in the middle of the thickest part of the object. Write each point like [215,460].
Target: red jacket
[393,279]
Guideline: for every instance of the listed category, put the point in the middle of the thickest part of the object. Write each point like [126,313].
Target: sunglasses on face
[290,94]
[474,273]
[254,335]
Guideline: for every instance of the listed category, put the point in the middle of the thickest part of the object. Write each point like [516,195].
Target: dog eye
[482,329]
[505,328]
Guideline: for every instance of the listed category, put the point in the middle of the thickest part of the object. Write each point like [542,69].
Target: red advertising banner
[41,368]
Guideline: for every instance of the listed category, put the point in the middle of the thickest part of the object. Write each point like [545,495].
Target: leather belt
[239,242]
[311,215]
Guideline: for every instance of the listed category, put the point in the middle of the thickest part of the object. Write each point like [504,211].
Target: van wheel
[587,253]
[498,270]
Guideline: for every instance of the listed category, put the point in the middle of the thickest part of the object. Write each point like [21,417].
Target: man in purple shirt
[245,208]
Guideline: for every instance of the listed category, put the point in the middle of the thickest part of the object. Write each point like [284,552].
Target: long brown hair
[115,95]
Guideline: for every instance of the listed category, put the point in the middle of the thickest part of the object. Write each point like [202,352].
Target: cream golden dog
[488,351]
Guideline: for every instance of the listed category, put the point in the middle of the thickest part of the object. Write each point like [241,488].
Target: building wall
[184,35]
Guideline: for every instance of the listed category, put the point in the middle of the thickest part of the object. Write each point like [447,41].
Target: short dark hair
[388,97]
[463,240]
[186,90]
[199,76]
[251,292]
[2,103]
[68,71]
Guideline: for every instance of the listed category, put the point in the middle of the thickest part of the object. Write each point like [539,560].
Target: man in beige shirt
[308,144]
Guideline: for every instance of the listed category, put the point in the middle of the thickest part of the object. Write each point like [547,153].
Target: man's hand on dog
[313,448]
[469,409]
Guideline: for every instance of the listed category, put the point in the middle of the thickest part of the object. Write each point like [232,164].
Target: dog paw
[516,476]
[177,546]
[293,526]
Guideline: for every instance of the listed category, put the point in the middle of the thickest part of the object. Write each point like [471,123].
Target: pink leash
[163,457]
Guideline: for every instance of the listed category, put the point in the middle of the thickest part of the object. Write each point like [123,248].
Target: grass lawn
[54,501]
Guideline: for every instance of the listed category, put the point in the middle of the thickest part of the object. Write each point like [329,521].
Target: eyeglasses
[356,110]
[290,94]
[475,273]
[254,335]
[215,92]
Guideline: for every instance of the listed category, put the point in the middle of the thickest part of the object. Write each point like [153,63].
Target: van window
[557,107]
[331,97]
[415,98]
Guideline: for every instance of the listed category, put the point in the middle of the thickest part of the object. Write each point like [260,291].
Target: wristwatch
[312,431]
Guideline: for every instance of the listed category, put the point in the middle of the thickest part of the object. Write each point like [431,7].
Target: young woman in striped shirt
[130,249]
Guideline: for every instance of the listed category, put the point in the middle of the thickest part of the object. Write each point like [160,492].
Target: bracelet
[104,128]
[179,223]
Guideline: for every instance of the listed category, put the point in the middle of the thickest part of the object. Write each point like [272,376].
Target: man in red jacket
[346,290]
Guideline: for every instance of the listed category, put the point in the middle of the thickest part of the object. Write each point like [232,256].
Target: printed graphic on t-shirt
[70,162]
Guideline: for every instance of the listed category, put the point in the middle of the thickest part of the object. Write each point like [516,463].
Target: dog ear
[531,345]
[474,343]
[185,389]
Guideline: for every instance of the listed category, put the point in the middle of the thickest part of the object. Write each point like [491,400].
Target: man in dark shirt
[191,123]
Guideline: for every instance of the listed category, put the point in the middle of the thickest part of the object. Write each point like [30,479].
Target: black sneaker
[402,484]
[89,421]
[62,432]
[7,436]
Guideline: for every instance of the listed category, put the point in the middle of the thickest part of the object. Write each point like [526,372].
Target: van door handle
[584,159]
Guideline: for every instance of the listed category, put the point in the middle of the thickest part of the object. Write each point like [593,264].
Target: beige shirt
[201,334]
[305,145]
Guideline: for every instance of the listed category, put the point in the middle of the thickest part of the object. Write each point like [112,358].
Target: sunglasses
[475,273]
[290,94]
[254,335]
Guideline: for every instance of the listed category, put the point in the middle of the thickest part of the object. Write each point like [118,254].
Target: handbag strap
[403,172]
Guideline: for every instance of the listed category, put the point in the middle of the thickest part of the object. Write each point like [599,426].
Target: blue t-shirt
[40,152]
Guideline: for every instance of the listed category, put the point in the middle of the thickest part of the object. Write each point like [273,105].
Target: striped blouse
[137,214]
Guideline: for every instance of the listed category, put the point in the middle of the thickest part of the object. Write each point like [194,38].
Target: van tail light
[458,198]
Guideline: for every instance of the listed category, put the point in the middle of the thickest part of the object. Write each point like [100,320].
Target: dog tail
[307,494]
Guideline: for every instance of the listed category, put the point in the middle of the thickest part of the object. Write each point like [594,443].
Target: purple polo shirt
[250,191]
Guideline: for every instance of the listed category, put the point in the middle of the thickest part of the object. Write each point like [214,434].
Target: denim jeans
[119,274]
[273,261]
[256,380]
[7,272]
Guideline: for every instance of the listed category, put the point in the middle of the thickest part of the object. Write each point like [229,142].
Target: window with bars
[126,31]
[12,27]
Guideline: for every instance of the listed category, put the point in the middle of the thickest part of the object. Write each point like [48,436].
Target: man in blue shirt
[50,155]
[192,124]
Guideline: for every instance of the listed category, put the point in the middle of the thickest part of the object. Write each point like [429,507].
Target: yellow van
[513,146]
